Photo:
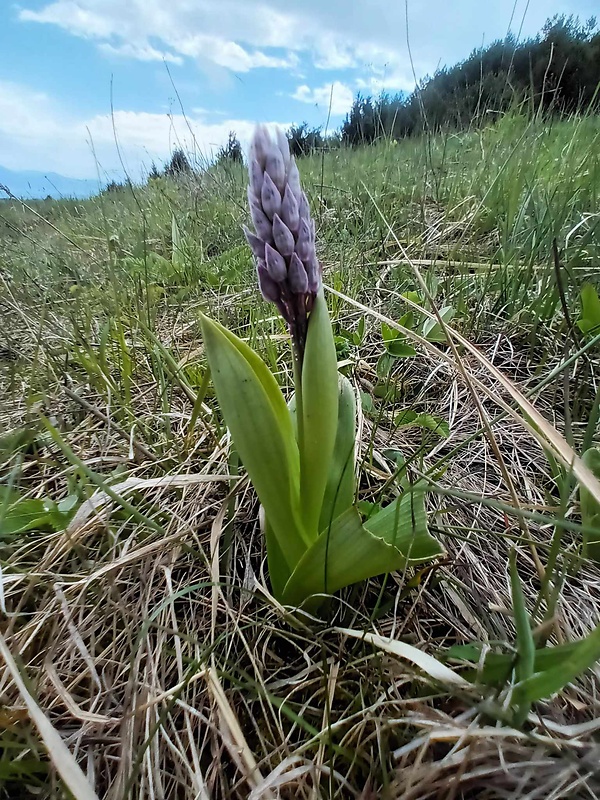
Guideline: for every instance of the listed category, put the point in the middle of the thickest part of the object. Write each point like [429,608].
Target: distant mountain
[30,184]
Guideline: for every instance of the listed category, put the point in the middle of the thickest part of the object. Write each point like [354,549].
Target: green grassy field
[135,595]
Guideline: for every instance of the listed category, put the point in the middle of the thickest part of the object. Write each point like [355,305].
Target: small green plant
[301,458]
[590,507]
[589,321]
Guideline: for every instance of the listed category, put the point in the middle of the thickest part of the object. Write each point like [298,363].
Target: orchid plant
[300,457]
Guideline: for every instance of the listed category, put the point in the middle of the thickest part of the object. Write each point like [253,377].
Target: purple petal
[270,197]
[289,210]
[268,288]
[297,277]
[255,175]
[284,146]
[275,264]
[261,222]
[275,167]
[283,237]
[293,180]
[256,245]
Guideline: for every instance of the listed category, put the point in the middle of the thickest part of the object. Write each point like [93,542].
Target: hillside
[135,583]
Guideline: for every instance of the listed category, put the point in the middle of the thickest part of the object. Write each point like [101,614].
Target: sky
[96,88]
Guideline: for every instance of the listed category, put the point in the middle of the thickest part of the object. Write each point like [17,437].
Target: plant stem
[297,355]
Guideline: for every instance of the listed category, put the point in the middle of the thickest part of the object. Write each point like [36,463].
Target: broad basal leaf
[348,551]
[320,413]
[257,416]
[403,524]
[339,492]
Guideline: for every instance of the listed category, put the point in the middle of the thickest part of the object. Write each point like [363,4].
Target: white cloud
[337,95]
[397,81]
[366,40]
[35,134]
[139,52]
[245,34]
[238,35]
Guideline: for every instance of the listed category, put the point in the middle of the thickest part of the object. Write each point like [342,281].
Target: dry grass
[146,631]
[169,671]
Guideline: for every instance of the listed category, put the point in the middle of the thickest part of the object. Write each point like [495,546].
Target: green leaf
[525,645]
[366,402]
[399,349]
[395,344]
[403,524]
[553,667]
[320,414]
[543,684]
[497,667]
[396,456]
[388,334]
[407,320]
[432,330]
[407,418]
[20,514]
[589,322]
[348,551]
[279,571]
[590,507]
[177,255]
[360,332]
[339,493]
[384,366]
[389,390]
[255,412]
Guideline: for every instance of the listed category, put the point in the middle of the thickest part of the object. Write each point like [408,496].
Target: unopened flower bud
[270,197]
[257,245]
[283,237]
[289,210]
[269,288]
[275,168]
[297,277]
[276,266]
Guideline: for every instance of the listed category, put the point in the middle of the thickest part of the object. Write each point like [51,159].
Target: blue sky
[232,63]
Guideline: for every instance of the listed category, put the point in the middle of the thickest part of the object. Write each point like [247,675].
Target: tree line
[556,72]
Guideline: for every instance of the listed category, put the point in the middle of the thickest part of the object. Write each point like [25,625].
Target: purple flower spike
[289,273]
[297,277]
[270,197]
[283,237]
[276,266]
